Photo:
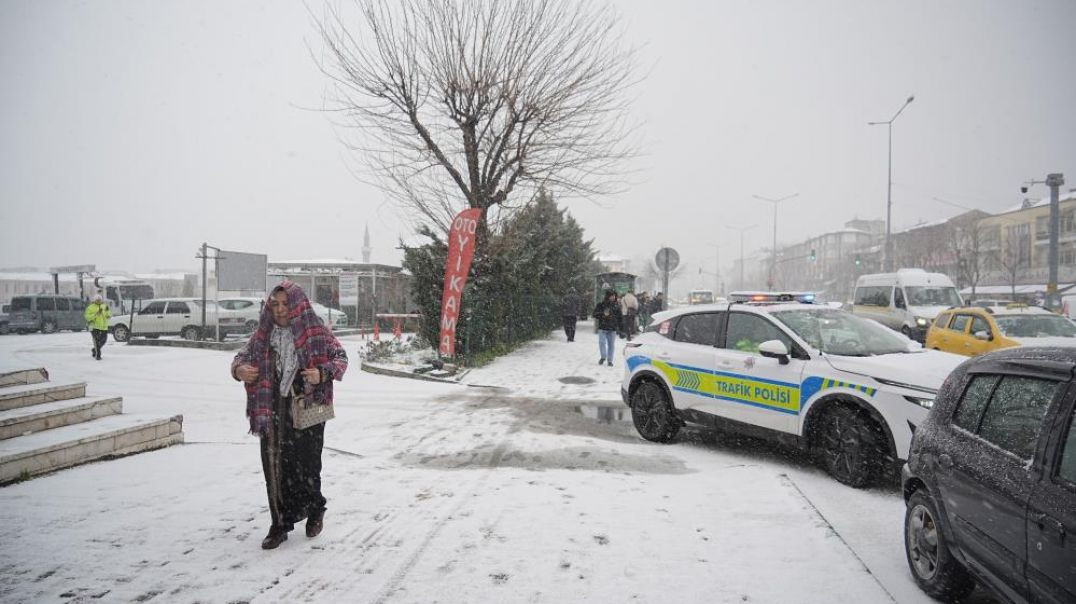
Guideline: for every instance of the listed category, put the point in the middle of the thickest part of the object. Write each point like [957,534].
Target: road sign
[667,259]
[78,268]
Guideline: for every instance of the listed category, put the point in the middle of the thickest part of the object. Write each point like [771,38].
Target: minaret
[366,246]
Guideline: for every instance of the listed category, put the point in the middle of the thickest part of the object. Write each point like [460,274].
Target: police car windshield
[838,332]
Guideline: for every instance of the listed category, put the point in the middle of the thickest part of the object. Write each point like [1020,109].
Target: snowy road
[438,493]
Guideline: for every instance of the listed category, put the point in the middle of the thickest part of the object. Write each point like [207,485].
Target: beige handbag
[304,415]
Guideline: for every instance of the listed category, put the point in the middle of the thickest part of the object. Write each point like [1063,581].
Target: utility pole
[742,230]
[1054,181]
[887,259]
[204,255]
[773,263]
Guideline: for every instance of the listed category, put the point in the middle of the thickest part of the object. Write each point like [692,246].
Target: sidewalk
[538,368]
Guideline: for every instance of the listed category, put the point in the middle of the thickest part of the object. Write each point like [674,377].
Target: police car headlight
[925,403]
[921,322]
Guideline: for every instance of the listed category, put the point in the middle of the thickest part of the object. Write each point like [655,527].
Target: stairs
[46,427]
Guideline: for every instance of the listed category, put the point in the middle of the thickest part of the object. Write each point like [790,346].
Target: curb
[225,346]
[367,367]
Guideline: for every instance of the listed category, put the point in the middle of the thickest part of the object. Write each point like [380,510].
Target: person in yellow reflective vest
[97,315]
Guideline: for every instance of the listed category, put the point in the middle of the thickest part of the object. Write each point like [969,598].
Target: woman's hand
[312,376]
[247,373]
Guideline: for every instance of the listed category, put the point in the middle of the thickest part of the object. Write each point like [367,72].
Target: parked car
[170,317]
[907,300]
[990,483]
[972,330]
[4,328]
[46,313]
[843,389]
[248,309]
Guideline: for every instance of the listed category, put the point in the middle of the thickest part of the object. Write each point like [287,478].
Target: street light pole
[773,263]
[887,260]
[742,230]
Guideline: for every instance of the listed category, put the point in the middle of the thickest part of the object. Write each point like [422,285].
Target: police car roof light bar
[772,297]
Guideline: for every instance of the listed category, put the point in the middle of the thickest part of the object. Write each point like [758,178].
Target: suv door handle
[945,460]
[1047,523]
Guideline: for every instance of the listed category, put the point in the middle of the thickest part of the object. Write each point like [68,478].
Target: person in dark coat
[607,312]
[569,312]
[291,352]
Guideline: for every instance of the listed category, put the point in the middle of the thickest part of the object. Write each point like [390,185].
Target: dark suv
[990,482]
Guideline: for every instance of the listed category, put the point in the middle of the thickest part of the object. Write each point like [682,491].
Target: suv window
[153,308]
[1013,415]
[178,308]
[1066,470]
[699,328]
[960,323]
[46,304]
[974,401]
[746,331]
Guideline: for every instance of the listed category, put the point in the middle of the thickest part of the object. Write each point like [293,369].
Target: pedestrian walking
[287,367]
[569,312]
[629,308]
[607,312]
[658,303]
[97,315]
[644,309]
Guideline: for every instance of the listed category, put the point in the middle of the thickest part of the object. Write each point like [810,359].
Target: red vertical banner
[461,238]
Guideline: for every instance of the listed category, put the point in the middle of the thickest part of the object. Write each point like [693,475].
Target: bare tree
[475,103]
[1015,254]
[972,262]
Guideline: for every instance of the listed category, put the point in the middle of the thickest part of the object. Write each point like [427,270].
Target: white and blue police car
[842,388]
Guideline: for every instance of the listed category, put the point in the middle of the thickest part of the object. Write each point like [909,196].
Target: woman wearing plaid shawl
[290,352]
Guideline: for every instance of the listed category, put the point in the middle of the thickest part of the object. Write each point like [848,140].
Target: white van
[907,300]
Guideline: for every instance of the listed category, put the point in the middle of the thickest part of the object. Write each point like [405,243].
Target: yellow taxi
[972,331]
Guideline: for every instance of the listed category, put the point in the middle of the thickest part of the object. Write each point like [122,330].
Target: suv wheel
[48,327]
[932,565]
[190,332]
[120,333]
[850,446]
[653,414]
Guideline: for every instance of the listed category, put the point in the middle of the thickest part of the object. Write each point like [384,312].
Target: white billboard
[241,271]
[349,290]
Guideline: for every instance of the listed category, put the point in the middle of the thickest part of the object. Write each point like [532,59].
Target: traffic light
[812,256]
[858,261]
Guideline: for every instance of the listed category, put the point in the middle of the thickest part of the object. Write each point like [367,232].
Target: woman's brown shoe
[275,537]
[314,524]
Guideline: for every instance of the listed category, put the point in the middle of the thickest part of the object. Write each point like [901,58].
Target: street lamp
[742,230]
[887,262]
[773,264]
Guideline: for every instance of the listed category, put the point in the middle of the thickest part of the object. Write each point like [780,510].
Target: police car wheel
[849,446]
[935,570]
[653,414]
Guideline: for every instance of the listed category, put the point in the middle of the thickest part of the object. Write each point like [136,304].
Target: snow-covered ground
[532,490]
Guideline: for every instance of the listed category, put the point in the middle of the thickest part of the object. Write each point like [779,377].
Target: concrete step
[105,437]
[20,377]
[14,397]
[43,416]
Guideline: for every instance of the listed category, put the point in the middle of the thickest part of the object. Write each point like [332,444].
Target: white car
[171,317]
[247,310]
[840,387]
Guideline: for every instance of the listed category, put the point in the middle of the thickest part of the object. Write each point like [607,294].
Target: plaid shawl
[315,346]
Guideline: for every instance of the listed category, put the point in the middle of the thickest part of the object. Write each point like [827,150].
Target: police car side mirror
[774,349]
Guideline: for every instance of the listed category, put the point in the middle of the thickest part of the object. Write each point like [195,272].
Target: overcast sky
[135,130]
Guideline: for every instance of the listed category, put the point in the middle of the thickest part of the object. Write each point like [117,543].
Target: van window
[46,303]
[20,303]
[873,295]
[63,304]
[898,298]
[933,296]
